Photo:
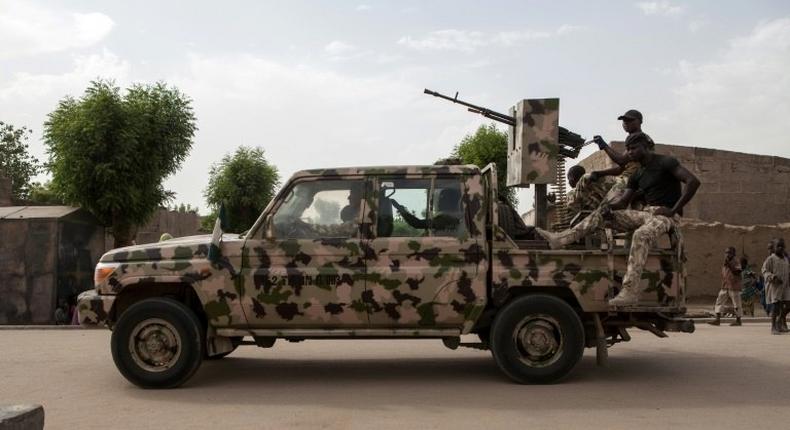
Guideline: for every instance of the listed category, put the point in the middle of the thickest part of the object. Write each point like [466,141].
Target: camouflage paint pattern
[182,261]
[533,143]
[367,282]
[588,193]
[430,281]
[93,308]
[264,282]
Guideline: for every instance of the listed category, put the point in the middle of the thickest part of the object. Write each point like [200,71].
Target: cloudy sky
[320,84]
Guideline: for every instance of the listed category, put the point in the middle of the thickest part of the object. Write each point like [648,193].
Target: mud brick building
[48,254]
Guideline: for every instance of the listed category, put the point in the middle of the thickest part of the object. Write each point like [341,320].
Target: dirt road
[719,377]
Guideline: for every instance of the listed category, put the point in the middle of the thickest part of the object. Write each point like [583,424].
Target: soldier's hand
[599,141]
[606,212]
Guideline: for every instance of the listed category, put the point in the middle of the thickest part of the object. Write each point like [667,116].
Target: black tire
[537,339]
[173,350]
[235,340]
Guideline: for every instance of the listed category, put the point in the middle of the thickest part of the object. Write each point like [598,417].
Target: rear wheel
[157,343]
[537,339]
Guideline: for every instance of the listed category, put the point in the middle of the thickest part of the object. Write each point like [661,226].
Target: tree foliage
[487,145]
[44,195]
[245,182]
[15,161]
[110,152]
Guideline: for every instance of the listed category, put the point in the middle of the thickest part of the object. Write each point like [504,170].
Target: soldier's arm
[612,171]
[409,217]
[691,184]
[619,158]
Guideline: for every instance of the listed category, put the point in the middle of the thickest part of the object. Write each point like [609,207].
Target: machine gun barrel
[488,113]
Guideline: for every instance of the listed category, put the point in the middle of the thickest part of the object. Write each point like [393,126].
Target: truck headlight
[103,271]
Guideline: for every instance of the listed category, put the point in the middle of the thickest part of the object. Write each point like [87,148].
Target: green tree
[15,161]
[110,152]
[43,194]
[487,145]
[245,182]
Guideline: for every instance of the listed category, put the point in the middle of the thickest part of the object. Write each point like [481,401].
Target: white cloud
[337,47]
[740,101]
[364,7]
[449,40]
[29,87]
[469,41]
[28,29]
[662,7]
[697,25]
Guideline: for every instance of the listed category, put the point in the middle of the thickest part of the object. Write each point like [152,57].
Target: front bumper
[94,308]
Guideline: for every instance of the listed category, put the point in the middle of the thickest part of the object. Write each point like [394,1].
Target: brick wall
[737,188]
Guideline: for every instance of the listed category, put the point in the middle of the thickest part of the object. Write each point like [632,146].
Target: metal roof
[36,212]
[390,170]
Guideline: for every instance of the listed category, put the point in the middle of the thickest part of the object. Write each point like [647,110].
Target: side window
[420,207]
[447,212]
[320,209]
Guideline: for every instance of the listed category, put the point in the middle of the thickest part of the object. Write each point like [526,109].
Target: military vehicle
[383,252]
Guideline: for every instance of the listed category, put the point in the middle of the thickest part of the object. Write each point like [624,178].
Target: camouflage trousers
[646,226]
[589,194]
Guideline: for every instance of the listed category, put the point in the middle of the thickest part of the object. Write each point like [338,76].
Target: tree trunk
[122,232]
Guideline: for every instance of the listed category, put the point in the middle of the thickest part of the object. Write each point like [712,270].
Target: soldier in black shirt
[658,181]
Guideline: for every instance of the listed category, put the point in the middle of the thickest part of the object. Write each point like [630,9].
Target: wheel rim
[155,345]
[539,340]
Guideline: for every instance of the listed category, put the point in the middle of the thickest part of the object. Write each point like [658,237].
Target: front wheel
[537,339]
[157,343]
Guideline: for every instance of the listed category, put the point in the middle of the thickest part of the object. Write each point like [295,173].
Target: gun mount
[537,148]
[569,143]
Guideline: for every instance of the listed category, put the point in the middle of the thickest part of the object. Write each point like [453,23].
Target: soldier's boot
[629,295]
[736,323]
[558,240]
[717,321]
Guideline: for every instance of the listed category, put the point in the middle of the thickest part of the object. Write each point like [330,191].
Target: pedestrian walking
[775,272]
[750,293]
[731,287]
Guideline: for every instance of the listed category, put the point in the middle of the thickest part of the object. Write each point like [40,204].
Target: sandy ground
[718,377]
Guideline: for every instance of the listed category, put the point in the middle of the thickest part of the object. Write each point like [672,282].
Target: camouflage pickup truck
[379,252]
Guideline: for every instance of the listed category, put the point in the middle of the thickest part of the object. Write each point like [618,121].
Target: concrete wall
[705,245]
[737,188]
[5,191]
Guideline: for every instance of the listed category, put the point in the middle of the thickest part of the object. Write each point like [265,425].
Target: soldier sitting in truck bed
[606,185]
[658,179]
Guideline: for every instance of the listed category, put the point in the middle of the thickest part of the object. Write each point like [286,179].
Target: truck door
[305,269]
[426,261]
